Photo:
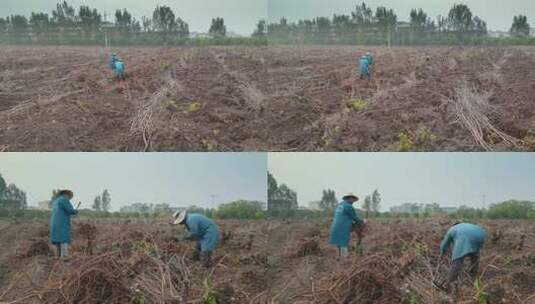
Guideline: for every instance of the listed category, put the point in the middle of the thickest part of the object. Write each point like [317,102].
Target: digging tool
[78,206]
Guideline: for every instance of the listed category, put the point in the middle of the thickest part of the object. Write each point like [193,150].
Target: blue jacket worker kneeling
[60,222]
[202,230]
[467,239]
[345,217]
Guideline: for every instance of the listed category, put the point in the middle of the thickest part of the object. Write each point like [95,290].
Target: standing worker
[371,63]
[364,68]
[202,230]
[345,217]
[111,63]
[468,239]
[60,222]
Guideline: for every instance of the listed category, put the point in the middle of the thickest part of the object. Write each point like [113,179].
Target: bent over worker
[119,69]
[60,222]
[467,239]
[345,217]
[202,230]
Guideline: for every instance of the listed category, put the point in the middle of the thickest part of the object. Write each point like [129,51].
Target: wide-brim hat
[350,195]
[179,217]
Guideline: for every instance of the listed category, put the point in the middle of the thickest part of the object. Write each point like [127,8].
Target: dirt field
[267,99]
[131,261]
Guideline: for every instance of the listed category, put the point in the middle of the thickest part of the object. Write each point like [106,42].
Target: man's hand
[78,206]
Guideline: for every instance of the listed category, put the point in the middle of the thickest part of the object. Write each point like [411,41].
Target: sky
[449,179]
[498,13]
[241,16]
[180,179]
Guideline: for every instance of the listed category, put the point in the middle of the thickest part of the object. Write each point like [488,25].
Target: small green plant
[209,294]
[138,299]
[424,137]
[480,296]
[194,106]
[405,143]
[359,104]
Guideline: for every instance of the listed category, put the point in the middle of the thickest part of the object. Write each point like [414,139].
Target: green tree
[146,23]
[89,19]
[123,20]
[261,29]
[40,23]
[272,187]
[105,201]
[460,20]
[241,210]
[53,197]
[182,28]
[480,27]
[64,15]
[362,15]
[3,26]
[164,22]
[19,24]
[218,28]
[512,209]
[97,203]
[420,21]
[3,186]
[520,27]
[376,202]
[328,200]
[367,205]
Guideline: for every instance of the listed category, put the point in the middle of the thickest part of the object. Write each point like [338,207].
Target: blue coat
[344,218]
[119,68]
[111,63]
[364,66]
[60,221]
[204,230]
[466,238]
[370,59]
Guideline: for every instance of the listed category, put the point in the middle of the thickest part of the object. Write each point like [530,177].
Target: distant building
[44,205]
[449,210]
[499,34]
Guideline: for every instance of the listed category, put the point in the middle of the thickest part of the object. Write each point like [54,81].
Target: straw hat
[179,217]
[350,195]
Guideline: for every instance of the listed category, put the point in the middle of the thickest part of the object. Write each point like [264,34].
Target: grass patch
[359,104]
[194,106]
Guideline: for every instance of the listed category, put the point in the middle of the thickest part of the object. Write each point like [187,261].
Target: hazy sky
[497,13]
[180,179]
[450,179]
[240,16]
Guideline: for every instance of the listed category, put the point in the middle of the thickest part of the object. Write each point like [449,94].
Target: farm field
[277,261]
[268,99]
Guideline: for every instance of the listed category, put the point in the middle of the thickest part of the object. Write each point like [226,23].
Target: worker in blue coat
[345,217]
[120,69]
[364,68]
[60,222]
[467,239]
[111,62]
[202,230]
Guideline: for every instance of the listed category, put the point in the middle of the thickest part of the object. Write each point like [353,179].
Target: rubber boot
[206,259]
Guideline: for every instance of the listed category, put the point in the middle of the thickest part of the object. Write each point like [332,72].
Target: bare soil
[267,99]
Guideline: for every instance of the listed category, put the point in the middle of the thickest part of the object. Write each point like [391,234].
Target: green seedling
[194,106]
[405,143]
[359,105]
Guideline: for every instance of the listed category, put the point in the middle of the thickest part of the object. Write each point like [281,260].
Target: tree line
[363,25]
[87,25]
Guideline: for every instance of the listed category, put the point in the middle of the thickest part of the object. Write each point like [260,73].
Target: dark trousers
[457,266]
